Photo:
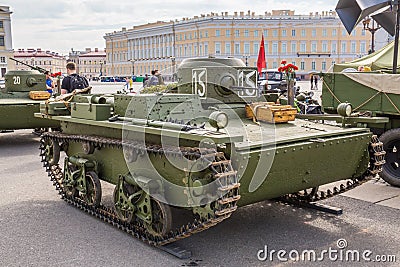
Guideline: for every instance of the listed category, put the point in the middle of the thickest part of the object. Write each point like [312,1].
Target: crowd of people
[75,81]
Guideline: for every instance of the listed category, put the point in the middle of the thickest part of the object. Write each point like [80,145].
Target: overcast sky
[60,25]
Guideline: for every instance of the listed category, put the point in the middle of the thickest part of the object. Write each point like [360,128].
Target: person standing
[312,82]
[49,82]
[73,80]
[154,79]
[316,82]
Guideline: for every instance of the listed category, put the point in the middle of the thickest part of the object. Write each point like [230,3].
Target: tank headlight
[344,109]
[269,87]
[218,119]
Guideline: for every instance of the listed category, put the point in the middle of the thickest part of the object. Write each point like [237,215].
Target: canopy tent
[380,60]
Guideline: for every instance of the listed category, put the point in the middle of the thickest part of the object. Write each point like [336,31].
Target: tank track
[377,160]
[221,167]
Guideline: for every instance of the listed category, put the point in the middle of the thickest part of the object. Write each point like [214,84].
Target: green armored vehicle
[371,94]
[20,99]
[179,163]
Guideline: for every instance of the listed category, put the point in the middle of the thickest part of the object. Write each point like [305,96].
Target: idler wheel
[51,152]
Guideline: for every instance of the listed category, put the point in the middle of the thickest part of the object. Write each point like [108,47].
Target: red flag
[261,57]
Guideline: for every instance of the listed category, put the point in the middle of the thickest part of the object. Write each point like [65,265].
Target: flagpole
[396,38]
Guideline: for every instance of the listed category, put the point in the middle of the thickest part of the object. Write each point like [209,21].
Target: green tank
[370,94]
[17,108]
[167,165]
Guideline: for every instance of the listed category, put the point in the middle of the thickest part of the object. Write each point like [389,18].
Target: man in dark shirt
[68,85]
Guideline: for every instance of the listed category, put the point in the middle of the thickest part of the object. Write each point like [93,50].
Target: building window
[362,48]
[256,48]
[228,49]
[313,47]
[2,59]
[303,33]
[324,47]
[334,48]
[206,49]
[343,32]
[237,49]
[237,33]
[275,65]
[323,65]
[274,33]
[344,48]
[284,48]
[247,48]
[217,48]
[313,65]
[265,33]
[314,33]
[324,33]
[294,48]
[256,33]
[246,33]
[283,33]
[275,49]
[206,34]
[334,32]
[228,33]
[293,33]
[217,33]
[302,65]
[303,48]
[363,32]
[353,47]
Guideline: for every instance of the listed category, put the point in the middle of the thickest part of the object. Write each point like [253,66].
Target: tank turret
[224,79]
[24,81]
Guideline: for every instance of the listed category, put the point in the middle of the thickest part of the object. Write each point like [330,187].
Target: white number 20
[17,79]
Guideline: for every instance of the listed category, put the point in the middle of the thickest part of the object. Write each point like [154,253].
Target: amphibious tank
[179,163]
[20,99]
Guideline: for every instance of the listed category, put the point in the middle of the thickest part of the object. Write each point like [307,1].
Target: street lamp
[246,57]
[133,66]
[101,68]
[372,30]
[173,62]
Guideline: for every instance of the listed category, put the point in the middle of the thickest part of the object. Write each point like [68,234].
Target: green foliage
[160,88]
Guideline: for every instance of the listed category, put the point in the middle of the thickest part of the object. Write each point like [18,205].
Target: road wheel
[391,144]
[93,189]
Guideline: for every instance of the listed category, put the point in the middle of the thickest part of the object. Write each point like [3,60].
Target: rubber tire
[386,138]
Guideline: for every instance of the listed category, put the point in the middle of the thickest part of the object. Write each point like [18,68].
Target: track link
[223,173]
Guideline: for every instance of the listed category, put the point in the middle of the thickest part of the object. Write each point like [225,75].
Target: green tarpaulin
[380,60]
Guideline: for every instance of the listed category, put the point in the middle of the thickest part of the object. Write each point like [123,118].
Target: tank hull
[17,114]
[316,157]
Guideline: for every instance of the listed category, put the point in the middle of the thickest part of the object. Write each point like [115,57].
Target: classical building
[6,49]
[47,60]
[91,63]
[313,42]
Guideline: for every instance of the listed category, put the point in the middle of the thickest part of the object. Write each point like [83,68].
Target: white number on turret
[17,79]
[199,82]
[248,79]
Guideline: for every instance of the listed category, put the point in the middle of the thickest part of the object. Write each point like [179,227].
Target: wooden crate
[270,112]
[39,95]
